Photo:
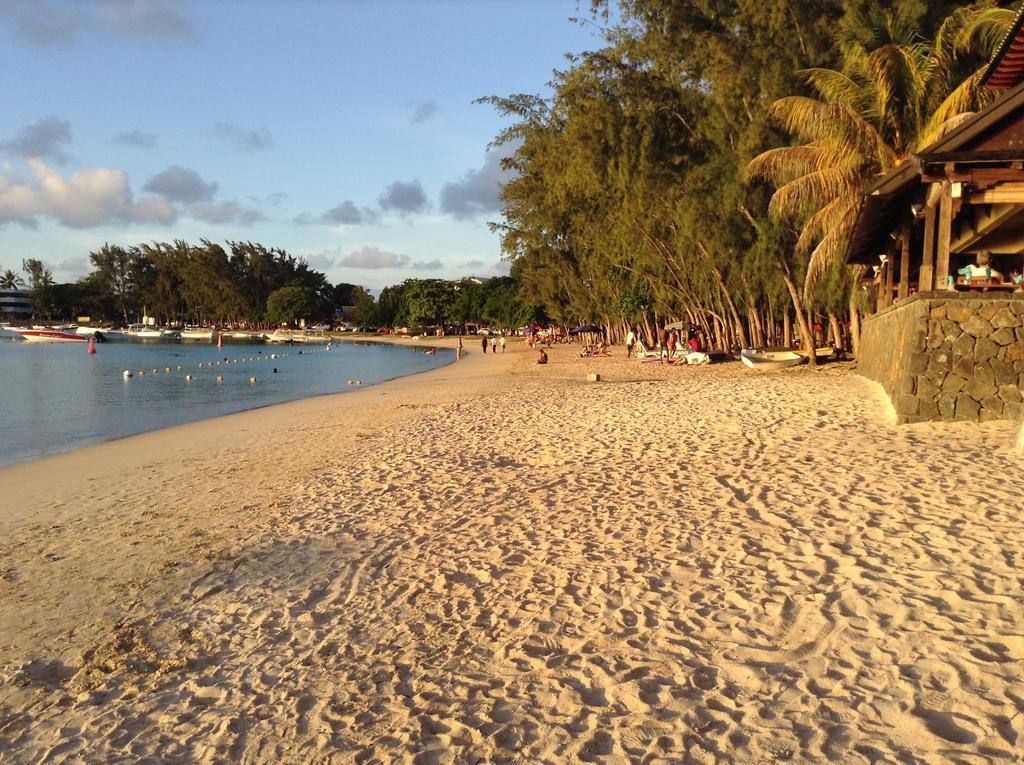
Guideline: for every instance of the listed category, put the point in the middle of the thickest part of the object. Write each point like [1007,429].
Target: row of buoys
[127,374]
[355,382]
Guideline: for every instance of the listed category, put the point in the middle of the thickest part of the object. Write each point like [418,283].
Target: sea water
[56,397]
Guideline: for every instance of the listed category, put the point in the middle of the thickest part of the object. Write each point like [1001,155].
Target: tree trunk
[837,334]
[854,328]
[649,331]
[787,329]
[806,335]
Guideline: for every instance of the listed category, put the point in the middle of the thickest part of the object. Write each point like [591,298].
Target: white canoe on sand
[764,359]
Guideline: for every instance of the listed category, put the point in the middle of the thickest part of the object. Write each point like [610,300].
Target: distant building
[15,305]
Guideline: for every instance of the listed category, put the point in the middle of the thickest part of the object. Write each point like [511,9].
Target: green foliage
[426,302]
[290,304]
[9,280]
[40,281]
[631,196]
[365,308]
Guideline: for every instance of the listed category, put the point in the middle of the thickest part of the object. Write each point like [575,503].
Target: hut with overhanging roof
[943,235]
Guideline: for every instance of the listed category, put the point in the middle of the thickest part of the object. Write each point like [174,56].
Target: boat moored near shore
[51,335]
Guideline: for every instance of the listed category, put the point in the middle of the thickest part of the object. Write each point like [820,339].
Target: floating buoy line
[127,374]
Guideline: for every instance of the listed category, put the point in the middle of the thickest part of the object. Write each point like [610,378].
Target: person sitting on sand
[543,359]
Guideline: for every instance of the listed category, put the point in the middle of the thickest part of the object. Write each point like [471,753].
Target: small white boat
[49,335]
[768,359]
[279,336]
[198,335]
[245,337]
[821,354]
[149,333]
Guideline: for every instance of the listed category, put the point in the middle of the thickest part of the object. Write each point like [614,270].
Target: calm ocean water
[55,397]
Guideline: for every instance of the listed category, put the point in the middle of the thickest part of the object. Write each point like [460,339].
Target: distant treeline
[245,283]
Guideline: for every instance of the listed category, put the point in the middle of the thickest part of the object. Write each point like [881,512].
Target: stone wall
[949,356]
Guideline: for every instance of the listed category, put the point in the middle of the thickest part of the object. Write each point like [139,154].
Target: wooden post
[926,280]
[904,286]
[883,284]
[890,274]
[943,236]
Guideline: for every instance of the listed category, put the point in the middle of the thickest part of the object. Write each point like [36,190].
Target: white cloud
[478,192]
[161,19]
[405,197]
[423,111]
[43,139]
[59,23]
[345,213]
[181,184]
[90,197]
[373,257]
[245,140]
[320,262]
[137,139]
[224,212]
[75,267]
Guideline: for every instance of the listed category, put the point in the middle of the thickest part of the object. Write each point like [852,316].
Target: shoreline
[257,407]
[494,560]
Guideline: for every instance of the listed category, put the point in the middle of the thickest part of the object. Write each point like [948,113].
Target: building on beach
[943,237]
[15,305]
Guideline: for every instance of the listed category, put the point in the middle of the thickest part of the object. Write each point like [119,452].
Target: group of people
[494,341]
[668,342]
[596,349]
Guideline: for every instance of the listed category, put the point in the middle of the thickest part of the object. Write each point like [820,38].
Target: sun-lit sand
[501,562]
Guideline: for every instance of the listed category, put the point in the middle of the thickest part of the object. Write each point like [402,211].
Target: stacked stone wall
[949,356]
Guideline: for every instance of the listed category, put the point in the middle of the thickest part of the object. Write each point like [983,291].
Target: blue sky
[342,131]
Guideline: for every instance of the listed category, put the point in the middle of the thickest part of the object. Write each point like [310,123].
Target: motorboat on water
[197,334]
[305,337]
[51,335]
[150,333]
[767,359]
[245,337]
[280,336]
[102,334]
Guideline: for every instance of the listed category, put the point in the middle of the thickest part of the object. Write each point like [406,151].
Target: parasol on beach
[586,328]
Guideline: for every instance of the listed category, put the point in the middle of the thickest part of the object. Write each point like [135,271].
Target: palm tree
[9,280]
[893,95]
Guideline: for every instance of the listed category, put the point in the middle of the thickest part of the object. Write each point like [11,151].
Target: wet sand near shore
[501,562]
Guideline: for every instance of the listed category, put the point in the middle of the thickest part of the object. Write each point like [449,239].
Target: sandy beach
[502,562]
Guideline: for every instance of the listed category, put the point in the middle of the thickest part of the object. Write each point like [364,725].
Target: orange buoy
[92,344]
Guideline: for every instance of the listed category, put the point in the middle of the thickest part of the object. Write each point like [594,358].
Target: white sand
[499,562]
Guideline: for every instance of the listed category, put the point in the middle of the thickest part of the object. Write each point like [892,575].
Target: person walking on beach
[458,349]
[483,343]
[630,342]
[494,344]
[502,343]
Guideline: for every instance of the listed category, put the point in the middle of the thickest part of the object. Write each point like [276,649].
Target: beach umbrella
[586,328]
